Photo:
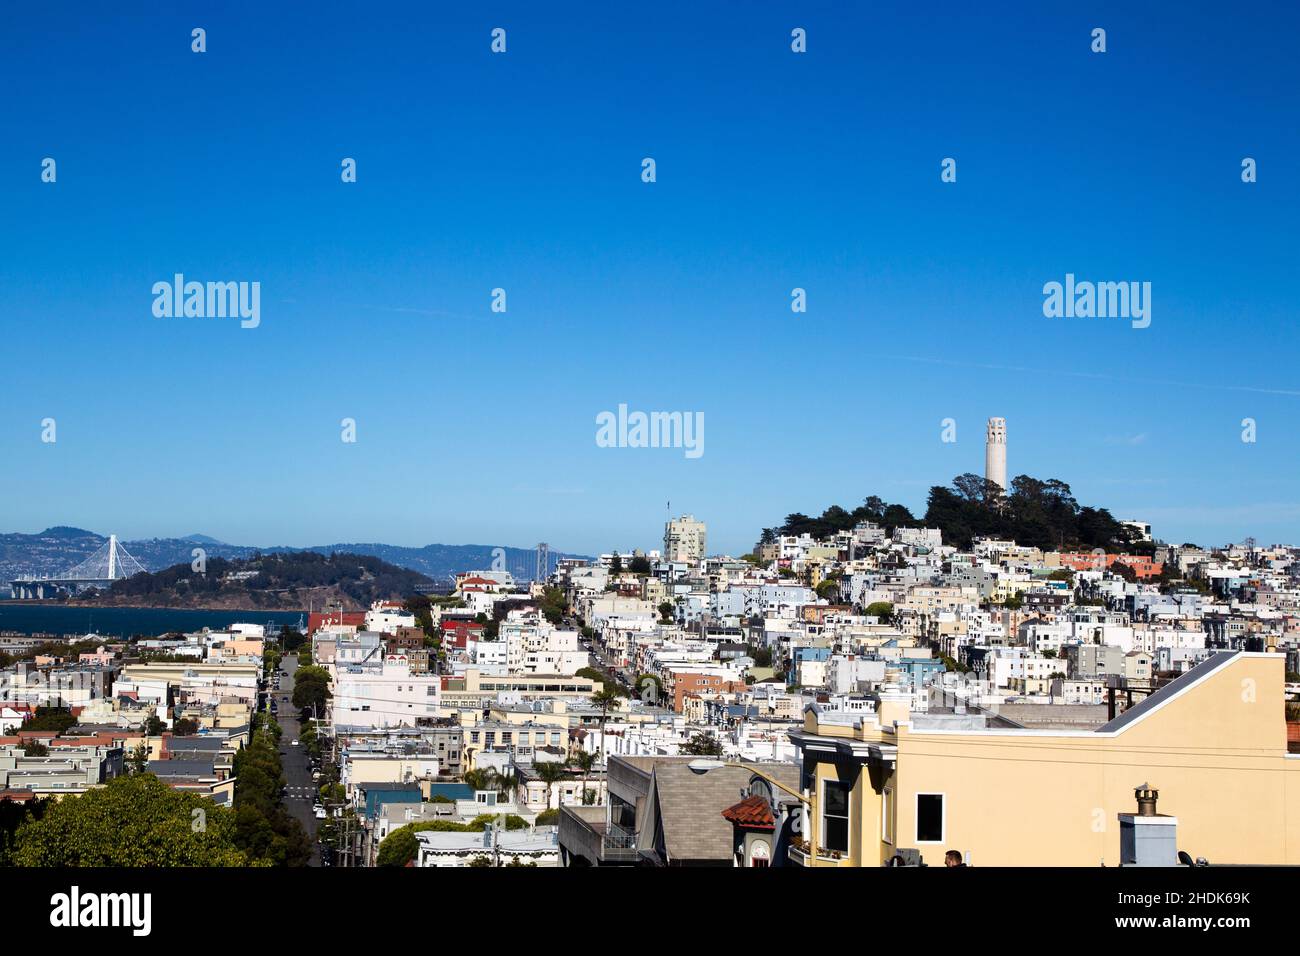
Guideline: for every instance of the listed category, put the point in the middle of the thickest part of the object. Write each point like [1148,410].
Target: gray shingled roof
[204,743]
[183,767]
[690,806]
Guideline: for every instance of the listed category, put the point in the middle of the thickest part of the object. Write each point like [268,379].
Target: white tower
[995,452]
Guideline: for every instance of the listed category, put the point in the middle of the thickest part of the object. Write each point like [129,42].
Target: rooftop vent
[1146,798]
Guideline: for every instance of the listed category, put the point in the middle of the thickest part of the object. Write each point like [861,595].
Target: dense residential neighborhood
[860,697]
[902,399]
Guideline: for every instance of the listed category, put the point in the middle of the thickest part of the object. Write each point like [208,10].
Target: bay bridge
[110,563]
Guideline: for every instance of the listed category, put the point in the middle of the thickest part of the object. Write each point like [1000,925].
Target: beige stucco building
[1213,743]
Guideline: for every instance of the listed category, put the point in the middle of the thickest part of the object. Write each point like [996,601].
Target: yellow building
[1213,743]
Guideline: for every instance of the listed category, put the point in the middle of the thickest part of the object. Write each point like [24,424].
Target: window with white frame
[835,816]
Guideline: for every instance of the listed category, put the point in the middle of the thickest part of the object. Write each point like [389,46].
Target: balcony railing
[618,844]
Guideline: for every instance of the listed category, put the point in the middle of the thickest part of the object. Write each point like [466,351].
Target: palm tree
[549,772]
[480,778]
[505,782]
[584,761]
[604,697]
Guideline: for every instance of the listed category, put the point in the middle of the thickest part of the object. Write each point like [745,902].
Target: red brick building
[685,683]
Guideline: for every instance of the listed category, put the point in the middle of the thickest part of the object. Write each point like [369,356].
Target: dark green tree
[135,820]
[703,744]
[399,848]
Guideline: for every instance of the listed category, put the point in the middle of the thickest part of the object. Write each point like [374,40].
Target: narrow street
[300,793]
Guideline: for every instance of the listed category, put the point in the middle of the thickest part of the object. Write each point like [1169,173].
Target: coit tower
[995,452]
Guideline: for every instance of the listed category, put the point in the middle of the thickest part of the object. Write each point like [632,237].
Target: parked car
[293,743]
[319,811]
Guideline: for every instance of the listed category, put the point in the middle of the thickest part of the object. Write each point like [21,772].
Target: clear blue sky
[522,171]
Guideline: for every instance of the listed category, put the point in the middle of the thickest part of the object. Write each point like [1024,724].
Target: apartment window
[929,818]
[887,815]
[835,816]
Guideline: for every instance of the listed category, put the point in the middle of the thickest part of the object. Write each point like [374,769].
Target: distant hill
[54,550]
[62,531]
[268,582]
[439,561]
[47,552]
[201,539]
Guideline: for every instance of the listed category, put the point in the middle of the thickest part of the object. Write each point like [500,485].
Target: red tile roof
[751,812]
[319,619]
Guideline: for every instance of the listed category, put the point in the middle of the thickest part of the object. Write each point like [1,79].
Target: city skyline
[692,438]
[821,172]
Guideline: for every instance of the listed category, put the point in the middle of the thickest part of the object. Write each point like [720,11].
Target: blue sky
[522,171]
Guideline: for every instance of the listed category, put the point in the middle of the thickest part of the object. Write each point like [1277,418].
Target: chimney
[1147,838]
[893,702]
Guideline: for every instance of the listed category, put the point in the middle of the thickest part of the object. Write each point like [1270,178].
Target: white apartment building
[385,617]
[1103,632]
[52,687]
[930,538]
[490,657]
[1012,664]
[812,673]
[535,646]
[597,609]
[385,696]
[537,845]
[1040,637]
[848,673]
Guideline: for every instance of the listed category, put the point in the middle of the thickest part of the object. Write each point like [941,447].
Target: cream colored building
[1213,743]
[684,540]
[473,689]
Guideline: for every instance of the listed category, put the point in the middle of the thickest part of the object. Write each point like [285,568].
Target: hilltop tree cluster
[1033,512]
